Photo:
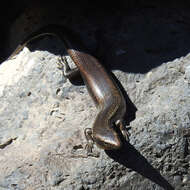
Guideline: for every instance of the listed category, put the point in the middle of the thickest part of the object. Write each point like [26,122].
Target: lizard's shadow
[131,108]
[129,157]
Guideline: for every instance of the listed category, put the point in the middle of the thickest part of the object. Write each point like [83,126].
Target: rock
[43,116]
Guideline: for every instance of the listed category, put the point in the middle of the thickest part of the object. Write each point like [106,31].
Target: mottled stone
[43,115]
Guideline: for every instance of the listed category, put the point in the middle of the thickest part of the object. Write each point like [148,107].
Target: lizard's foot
[90,143]
[63,65]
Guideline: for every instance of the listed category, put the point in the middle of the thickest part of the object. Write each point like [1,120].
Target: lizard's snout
[108,142]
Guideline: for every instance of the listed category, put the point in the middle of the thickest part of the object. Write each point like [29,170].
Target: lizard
[104,91]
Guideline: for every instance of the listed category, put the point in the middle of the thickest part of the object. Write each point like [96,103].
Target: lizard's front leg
[65,68]
[71,74]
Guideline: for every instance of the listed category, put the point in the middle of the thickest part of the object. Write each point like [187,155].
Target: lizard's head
[108,140]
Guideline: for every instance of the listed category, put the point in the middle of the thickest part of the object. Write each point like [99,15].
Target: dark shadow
[132,36]
[131,109]
[129,157]
[144,37]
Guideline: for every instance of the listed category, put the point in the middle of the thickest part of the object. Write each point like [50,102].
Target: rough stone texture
[42,115]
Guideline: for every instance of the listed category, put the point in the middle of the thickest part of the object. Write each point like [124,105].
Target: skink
[105,93]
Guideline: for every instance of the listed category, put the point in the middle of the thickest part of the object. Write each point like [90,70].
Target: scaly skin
[102,88]
[107,97]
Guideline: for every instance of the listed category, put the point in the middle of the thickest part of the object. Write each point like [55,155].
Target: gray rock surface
[43,115]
